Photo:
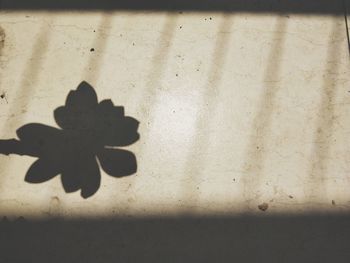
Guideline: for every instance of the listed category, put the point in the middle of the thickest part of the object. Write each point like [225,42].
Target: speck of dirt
[180,27]
[94,30]
[333,202]
[2,95]
[234,179]
[177,75]
[92,50]
[133,44]
[263,207]
[290,196]
[197,69]
[209,18]
[2,38]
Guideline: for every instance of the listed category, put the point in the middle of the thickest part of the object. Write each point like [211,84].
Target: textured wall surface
[238,112]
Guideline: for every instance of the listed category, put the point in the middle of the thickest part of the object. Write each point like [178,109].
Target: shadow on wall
[282,238]
[89,132]
[254,6]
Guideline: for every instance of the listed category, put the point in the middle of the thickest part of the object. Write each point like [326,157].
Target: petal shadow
[117,163]
[38,138]
[41,171]
[88,127]
[83,97]
[82,173]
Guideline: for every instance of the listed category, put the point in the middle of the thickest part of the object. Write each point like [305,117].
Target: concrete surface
[235,109]
[243,153]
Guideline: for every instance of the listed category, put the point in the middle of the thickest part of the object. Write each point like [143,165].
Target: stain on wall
[2,44]
[2,39]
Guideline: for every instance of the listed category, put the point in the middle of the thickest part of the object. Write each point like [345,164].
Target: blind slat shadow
[29,78]
[93,69]
[158,65]
[207,111]
[326,115]
[255,153]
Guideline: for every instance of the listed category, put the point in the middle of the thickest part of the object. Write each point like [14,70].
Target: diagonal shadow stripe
[28,80]
[254,156]
[95,63]
[322,138]
[196,158]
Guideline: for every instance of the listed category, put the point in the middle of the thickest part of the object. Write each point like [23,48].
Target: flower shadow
[88,134]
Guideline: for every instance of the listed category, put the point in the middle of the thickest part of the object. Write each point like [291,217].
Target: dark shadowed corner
[268,238]
[325,7]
